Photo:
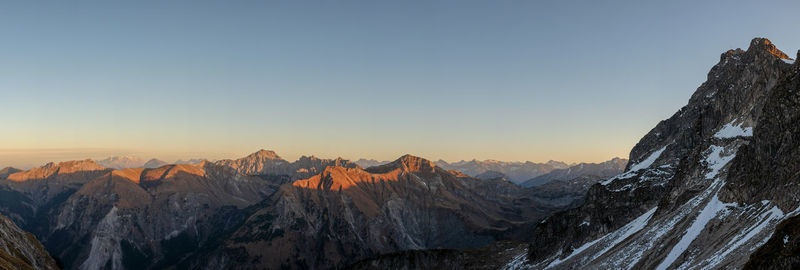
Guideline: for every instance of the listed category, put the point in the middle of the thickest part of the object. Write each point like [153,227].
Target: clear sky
[508,80]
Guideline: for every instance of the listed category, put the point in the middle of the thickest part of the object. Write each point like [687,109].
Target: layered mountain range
[344,214]
[516,172]
[93,217]
[600,170]
[262,211]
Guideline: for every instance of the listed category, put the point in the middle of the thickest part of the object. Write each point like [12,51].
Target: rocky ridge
[686,200]
[21,250]
[341,215]
[268,163]
[93,217]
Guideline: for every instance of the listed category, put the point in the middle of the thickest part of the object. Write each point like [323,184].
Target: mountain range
[714,186]
[124,162]
[218,214]
[602,170]
[516,172]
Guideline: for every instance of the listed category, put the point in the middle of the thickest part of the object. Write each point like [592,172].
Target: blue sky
[509,80]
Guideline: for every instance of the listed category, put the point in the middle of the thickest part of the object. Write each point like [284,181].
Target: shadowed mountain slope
[345,214]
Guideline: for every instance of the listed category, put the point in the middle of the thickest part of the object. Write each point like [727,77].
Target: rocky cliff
[20,250]
[268,163]
[139,218]
[687,198]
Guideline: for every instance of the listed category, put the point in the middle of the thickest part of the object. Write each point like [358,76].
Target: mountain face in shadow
[21,250]
[341,215]
[701,188]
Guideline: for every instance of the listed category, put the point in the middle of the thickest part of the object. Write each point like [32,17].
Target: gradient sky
[508,80]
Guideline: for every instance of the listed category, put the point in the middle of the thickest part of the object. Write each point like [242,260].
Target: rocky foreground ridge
[21,250]
[704,189]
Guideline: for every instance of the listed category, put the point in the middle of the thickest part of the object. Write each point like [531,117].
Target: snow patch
[610,240]
[733,131]
[766,219]
[644,164]
[709,212]
[715,160]
[648,161]
[788,61]
[518,261]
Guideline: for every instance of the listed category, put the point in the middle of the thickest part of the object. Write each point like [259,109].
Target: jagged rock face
[675,206]
[345,214]
[308,166]
[781,251]
[21,250]
[606,169]
[265,162]
[261,162]
[141,218]
[516,172]
[766,169]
